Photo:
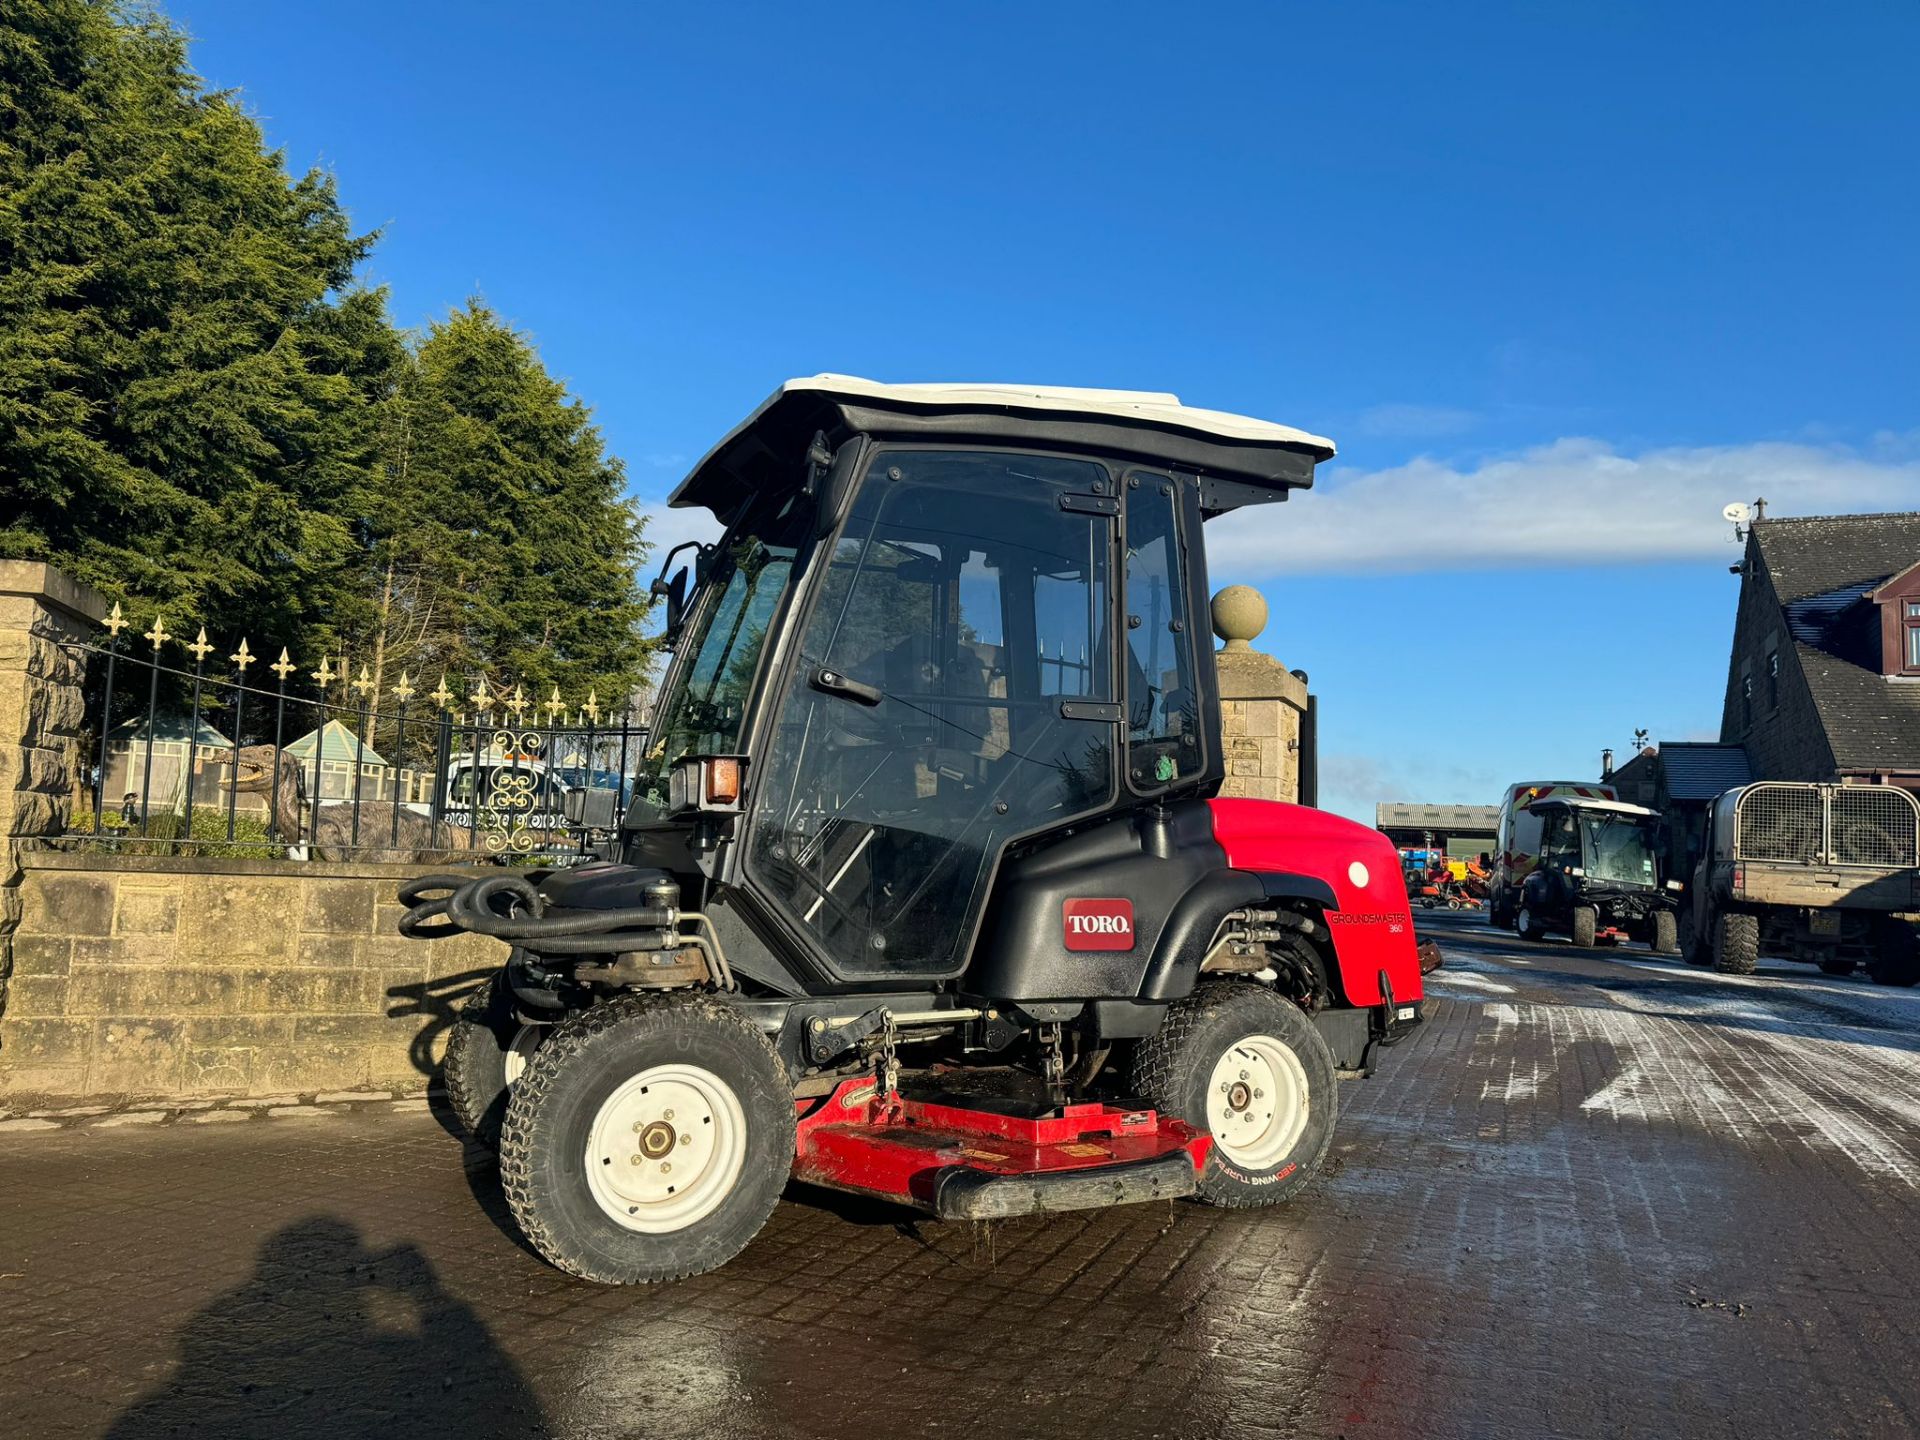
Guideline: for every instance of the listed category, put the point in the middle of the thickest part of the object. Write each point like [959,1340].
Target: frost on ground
[1832,1072]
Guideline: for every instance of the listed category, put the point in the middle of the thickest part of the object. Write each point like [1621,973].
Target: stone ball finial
[1239,614]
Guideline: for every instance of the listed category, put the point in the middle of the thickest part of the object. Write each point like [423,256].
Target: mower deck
[990,1159]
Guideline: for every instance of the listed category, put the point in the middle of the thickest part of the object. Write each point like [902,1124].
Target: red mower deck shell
[1372,930]
[899,1148]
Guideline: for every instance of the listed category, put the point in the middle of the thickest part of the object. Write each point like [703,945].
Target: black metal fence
[193,751]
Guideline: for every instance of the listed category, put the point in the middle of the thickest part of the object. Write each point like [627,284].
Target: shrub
[164,834]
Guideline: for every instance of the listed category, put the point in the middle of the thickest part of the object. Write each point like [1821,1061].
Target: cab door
[952,689]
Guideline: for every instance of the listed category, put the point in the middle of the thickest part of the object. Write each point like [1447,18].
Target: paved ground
[1597,1195]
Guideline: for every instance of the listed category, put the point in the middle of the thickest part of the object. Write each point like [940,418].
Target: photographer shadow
[329,1338]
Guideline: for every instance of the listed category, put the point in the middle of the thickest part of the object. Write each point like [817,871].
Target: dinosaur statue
[418,839]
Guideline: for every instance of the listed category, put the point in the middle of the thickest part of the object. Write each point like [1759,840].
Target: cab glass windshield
[704,708]
[1616,848]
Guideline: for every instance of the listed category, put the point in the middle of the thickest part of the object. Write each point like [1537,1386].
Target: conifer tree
[189,377]
[498,537]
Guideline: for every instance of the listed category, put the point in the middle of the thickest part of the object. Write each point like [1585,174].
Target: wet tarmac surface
[1596,1195]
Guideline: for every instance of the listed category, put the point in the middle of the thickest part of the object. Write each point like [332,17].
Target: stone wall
[159,976]
[41,711]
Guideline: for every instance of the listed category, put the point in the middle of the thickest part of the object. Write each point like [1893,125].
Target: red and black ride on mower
[925,893]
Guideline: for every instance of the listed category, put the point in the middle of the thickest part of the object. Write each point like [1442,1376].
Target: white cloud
[1573,502]
[668,528]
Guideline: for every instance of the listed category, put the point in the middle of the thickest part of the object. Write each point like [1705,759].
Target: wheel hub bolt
[665,1167]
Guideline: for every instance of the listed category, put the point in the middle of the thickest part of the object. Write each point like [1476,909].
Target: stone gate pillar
[40,717]
[1262,704]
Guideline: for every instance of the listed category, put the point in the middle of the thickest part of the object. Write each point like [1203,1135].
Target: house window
[1913,634]
[1773,681]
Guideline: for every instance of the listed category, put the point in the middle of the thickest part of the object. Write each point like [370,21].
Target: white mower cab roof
[1246,460]
[1611,807]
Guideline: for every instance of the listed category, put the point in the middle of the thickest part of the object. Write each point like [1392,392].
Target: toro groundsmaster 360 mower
[924,893]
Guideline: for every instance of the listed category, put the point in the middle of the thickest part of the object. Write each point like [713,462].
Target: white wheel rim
[1526,920]
[1257,1102]
[665,1148]
[520,1050]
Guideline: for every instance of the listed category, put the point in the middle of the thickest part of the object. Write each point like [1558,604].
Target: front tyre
[487,1050]
[648,1139]
[1586,925]
[1528,926]
[1666,932]
[1249,1068]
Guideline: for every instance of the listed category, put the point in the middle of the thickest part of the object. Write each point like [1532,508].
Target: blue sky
[1561,281]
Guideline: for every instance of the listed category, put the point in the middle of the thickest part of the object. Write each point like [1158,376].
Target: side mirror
[592,808]
[674,591]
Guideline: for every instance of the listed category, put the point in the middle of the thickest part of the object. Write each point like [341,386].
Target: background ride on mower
[925,893]
[1598,877]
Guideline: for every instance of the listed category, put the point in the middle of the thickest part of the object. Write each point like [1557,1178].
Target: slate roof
[1697,771]
[1872,723]
[1821,568]
[1825,553]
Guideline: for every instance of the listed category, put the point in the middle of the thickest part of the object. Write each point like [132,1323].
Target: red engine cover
[1372,929]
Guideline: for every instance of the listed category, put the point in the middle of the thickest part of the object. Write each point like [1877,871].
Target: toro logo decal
[1098,924]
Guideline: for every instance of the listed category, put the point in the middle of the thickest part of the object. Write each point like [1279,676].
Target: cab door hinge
[1090,504]
[1108,711]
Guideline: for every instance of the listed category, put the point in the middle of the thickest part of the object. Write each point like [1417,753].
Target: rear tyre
[1666,932]
[1586,924]
[648,1139]
[1693,947]
[1736,943]
[486,1052]
[1896,959]
[1249,1068]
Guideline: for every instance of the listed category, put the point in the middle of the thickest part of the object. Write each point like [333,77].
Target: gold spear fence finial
[284,666]
[158,634]
[326,674]
[517,703]
[200,648]
[364,684]
[242,658]
[554,708]
[115,621]
[440,695]
[403,692]
[592,708]
[479,697]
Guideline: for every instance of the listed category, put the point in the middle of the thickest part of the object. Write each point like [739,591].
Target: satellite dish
[1736,512]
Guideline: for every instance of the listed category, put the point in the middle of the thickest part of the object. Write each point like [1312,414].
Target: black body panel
[601,885]
[1349,1034]
[1285,885]
[1022,953]
[1175,967]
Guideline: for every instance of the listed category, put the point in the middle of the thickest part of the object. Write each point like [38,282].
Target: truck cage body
[1776,822]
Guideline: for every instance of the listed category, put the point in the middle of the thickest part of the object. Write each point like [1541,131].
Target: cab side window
[1162,705]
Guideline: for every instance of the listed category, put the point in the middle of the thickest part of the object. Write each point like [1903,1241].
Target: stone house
[1823,682]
